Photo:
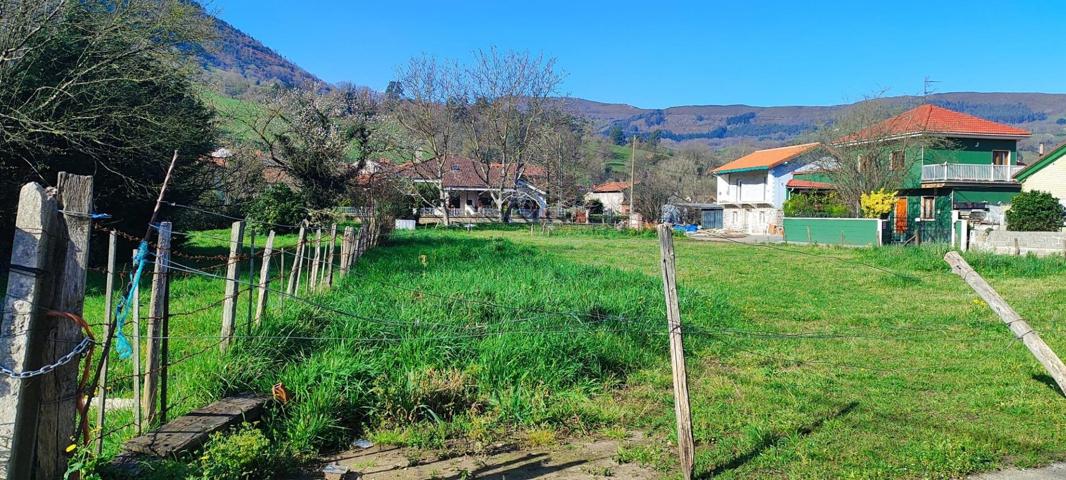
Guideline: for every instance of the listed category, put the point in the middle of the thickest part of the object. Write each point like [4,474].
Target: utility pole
[632,176]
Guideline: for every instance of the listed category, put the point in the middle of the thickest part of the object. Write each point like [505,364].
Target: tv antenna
[927,85]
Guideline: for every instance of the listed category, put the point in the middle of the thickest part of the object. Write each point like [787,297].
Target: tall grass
[441,328]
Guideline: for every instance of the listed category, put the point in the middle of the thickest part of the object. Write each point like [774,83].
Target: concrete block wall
[1013,243]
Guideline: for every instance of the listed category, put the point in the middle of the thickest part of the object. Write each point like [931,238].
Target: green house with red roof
[969,169]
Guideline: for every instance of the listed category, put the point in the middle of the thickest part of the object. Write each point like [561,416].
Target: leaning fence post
[229,304]
[1015,323]
[295,277]
[22,319]
[109,288]
[264,279]
[677,352]
[155,322]
[59,392]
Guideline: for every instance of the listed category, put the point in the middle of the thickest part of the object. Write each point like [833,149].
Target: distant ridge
[1044,114]
[236,61]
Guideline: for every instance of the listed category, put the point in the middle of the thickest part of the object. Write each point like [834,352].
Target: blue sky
[665,53]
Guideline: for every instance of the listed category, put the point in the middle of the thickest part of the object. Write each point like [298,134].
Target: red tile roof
[766,159]
[807,184]
[931,119]
[611,187]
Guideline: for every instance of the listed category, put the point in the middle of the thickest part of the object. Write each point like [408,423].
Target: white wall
[1051,178]
[752,187]
[750,219]
[612,201]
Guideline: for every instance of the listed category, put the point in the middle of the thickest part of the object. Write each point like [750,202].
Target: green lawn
[926,381]
[443,335]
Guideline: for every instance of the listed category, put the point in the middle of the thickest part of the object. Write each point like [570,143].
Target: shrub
[245,453]
[877,203]
[278,204]
[594,206]
[1034,212]
[815,205]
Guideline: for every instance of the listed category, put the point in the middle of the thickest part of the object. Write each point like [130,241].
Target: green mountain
[235,61]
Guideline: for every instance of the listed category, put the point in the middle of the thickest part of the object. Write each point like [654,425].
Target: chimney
[1040,149]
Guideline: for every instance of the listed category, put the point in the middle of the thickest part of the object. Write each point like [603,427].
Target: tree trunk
[497,198]
[444,206]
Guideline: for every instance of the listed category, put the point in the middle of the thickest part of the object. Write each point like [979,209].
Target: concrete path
[1055,471]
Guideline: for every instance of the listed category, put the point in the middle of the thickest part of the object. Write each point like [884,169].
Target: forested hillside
[727,125]
[235,61]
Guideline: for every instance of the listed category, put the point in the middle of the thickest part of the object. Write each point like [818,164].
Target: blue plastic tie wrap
[122,345]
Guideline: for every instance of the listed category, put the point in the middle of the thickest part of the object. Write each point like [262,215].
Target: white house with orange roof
[613,195]
[753,188]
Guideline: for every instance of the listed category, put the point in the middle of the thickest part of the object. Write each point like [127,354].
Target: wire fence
[523,320]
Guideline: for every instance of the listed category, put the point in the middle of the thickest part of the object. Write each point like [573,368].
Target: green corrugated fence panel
[833,231]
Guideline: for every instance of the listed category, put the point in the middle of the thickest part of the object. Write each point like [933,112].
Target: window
[1000,157]
[928,208]
[762,218]
[898,160]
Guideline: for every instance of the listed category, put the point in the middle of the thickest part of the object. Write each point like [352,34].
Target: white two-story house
[752,188]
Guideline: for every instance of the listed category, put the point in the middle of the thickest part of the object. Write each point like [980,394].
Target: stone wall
[1017,243]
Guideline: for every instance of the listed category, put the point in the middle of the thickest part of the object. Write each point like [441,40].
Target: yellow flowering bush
[877,203]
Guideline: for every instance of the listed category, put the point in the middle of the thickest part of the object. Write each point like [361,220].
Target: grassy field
[922,382]
[803,362]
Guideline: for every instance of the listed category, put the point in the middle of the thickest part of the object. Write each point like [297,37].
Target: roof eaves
[1042,162]
[745,169]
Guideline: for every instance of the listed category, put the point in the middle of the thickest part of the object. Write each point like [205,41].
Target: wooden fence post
[264,279]
[295,277]
[677,353]
[281,276]
[346,249]
[1015,323]
[233,287]
[35,229]
[312,280]
[155,322]
[329,256]
[59,390]
[301,254]
[109,292]
[135,317]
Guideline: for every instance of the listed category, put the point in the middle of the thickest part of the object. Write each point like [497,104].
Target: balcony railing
[956,172]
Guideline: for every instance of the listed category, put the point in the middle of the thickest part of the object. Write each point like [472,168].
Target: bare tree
[507,99]
[426,109]
[872,149]
[562,154]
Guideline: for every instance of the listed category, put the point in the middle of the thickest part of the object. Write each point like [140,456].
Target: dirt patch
[570,460]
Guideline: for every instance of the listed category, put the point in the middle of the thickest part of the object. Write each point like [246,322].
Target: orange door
[901,215]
